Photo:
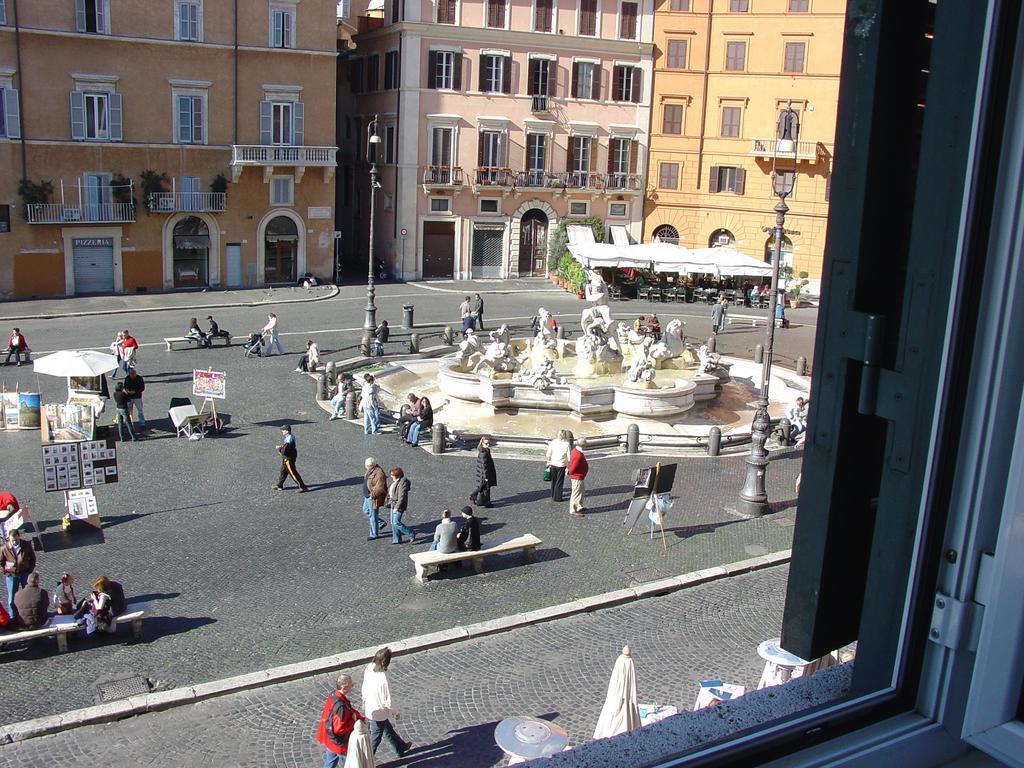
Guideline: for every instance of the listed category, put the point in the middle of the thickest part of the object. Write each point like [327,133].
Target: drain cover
[122,689]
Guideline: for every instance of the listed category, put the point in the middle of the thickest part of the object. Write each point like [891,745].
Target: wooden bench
[61,626]
[424,561]
[170,341]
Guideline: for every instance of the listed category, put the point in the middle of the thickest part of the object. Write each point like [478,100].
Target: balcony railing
[265,154]
[89,213]
[805,150]
[540,104]
[442,176]
[622,182]
[489,176]
[171,202]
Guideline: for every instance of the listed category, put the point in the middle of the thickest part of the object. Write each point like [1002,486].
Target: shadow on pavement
[686,531]
[468,746]
[281,422]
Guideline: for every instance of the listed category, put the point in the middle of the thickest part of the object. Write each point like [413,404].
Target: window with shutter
[672,119]
[542,15]
[189,111]
[536,155]
[266,122]
[282,27]
[492,73]
[676,54]
[187,20]
[446,11]
[3,12]
[496,14]
[627,21]
[741,181]
[91,16]
[636,92]
[799,6]
[713,179]
[373,73]
[281,122]
[735,56]
[794,58]
[587,23]
[298,123]
[456,60]
[730,122]
[584,79]
[432,69]
[668,175]
[739,6]
[114,118]
[506,75]
[679,5]
[282,190]
[390,70]
[10,114]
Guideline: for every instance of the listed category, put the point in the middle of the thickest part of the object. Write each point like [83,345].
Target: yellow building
[227,109]
[723,69]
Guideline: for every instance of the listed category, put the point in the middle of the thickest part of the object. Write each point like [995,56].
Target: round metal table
[530,737]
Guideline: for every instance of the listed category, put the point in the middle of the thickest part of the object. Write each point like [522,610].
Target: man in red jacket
[342,717]
[578,469]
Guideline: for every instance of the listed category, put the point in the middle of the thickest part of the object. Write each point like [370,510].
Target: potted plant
[152,184]
[219,186]
[34,194]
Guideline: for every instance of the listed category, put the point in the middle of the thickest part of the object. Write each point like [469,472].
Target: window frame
[552,19]
[505,13]
[489,71]
[485,198]
[664,119]
[668,52]
[800,45]
[535,140]
[729,45]
[595,69]
[619,80]
[288,31]
[613,204]
[586,209]
[178,20]
[291,190]
[686,9]
[439,198]
[192,95]
[664,165]
[805,9]
[739,6]
[456,12]
[439,69]
[620,19]
[738,123]
[91,126]
[278,109]
[579,18]
[392,70]
[101,11]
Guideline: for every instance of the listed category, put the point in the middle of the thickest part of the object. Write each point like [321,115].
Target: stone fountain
[609,370]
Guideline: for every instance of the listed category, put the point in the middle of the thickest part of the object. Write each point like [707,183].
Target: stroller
[253,346]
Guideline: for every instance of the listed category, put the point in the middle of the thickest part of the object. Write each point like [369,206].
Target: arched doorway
[666,233]
[787,251]
[721,238]
[190,253]
[533,243]
[281,247]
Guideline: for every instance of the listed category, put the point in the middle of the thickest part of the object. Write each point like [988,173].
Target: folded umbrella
[75,362]
[620,712]
[360,750]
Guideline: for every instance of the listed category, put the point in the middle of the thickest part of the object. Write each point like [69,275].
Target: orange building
[165,145]
[723,69]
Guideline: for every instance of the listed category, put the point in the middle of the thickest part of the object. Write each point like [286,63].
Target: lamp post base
[753,500]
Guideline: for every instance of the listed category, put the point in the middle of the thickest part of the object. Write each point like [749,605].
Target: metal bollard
[560,333]
[714,441]
[414,343]
[321,387]
[758,354]
[785,428]
[633,439]
[712,343]
[364,344]
[350,405]
[801,366]
[407,311]
[437,438]
[446,335]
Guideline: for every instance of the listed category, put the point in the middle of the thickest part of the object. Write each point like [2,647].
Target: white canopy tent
[665,257]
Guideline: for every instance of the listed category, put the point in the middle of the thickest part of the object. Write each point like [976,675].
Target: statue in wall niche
[641,371]
[469,347]
[672,344]
[708,361]
[541,377]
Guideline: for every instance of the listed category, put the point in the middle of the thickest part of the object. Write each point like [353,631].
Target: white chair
[187,421]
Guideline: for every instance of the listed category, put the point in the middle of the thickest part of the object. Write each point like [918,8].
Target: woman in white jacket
[377,703]
[558,458]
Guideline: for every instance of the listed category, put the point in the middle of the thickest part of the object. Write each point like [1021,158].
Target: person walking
[375,493]
[380,337]
[370,405]
[466,312]
[424,420]
[122,402]
[377,703]
[129,351]
[270,331]
[398,498]
[134,386]
[558,458]
[17,560]
[17,346]
[476,308]
[469,534]
[578,469]
[289,453]
[486,477]
[718,315]
[338,719]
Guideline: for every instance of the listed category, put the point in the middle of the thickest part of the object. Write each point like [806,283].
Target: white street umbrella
[620,712]
[360,750]
[75,362]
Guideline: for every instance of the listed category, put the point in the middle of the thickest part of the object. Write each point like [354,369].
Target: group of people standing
[472,312]
[566,457]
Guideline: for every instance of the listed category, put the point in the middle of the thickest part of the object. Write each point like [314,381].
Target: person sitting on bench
[105,603]
[195,332]
[31,605]
[345,385]
[424,420]
[445,535]
[215,332]
[310,359]
[469,536]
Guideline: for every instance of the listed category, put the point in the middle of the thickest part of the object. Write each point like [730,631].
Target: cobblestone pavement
[452,698]
[241,578]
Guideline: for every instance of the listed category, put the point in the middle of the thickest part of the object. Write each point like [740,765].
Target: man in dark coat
[289,453]
[469,536]
[375,492]
[31,605]
[486,477]
[17,560]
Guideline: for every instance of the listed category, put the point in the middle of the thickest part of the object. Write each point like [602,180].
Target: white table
[781,666]
[653,713]
[716,692]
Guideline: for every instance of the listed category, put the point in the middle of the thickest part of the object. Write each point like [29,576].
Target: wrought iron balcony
[88,213]
[622,182]
[489,176]
[540,104]
[172,202]
[533,179]
[805,150]
[268,157]
[442,176]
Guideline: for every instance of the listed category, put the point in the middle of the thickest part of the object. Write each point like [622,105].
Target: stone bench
[424,561]
[61,626]
[170,341]
[751,320]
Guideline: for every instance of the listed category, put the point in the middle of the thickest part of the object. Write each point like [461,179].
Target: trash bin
[407,310]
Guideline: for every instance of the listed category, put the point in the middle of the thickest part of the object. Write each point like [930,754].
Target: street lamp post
[370,323]
[753,494]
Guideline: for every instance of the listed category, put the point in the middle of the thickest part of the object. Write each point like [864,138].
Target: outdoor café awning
[665,257]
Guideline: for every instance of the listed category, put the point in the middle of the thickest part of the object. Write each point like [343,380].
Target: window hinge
[954,623]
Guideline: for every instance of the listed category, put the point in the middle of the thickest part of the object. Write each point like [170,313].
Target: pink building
[499,119]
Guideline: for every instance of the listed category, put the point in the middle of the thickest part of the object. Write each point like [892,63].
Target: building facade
[498,120]
[165,145]
[723,70]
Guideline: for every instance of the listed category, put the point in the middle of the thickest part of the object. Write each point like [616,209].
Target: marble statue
[501,334]
[499,356]
[469,347]
[546,335]
[596,290]
[541,377]
[708,360]
[671,344]
[641,371]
